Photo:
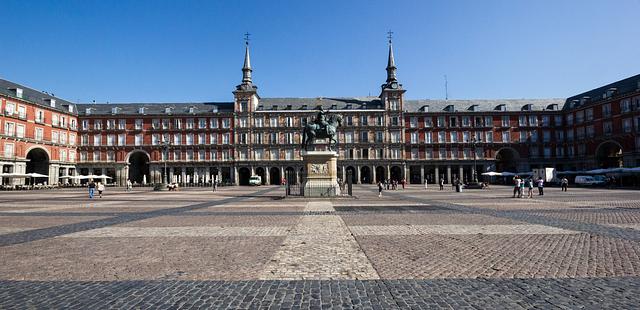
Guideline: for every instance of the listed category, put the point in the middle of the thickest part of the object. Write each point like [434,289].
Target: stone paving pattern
[245,247]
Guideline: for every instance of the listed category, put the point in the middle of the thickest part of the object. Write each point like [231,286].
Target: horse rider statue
[323,127]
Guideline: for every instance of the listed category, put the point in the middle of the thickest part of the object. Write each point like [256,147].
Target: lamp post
[165,150]
[473,143]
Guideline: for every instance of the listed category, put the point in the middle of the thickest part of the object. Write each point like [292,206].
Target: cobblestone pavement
[245,247]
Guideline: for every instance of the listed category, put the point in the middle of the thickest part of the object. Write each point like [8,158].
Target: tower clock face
[394,85]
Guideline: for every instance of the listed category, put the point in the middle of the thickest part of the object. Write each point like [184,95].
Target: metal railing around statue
[295,186]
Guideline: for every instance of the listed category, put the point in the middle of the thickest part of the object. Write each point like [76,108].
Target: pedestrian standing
[379,189]
[129,185]
[521,191]
[441,183]
[426,182]
[540,186]
[100,189]
[215,184]
[404,181]
[92,188]
[564,183]
[516,185]
[529,185]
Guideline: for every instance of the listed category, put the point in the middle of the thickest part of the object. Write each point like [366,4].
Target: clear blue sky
[179,51]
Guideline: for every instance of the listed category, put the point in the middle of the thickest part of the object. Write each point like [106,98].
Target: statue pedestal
[322,173]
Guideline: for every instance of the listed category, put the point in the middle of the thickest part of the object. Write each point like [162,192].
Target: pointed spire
[247,83]
[246,68]
[391,63]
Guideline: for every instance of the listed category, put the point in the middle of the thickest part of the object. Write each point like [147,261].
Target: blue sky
[182,51]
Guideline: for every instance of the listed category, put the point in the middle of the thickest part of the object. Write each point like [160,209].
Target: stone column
[267,176]
[373,175]
[422,174]
[449,174]
[461,175]
[437,173]
[406,172]
[235,177]
[183,175]
[358,174]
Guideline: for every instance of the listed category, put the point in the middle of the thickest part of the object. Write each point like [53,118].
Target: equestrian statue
[323,127]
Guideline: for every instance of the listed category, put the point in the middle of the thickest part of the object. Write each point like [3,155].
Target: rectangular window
[427,137]
[97,139]
[177,123]
[546,120]
[202,138]
[176,155]
[505,121]
[428,122]
[488,136]
[9,129]
[558,120]
[20,131]
[395,121]
[442,154]
[213,138]
[139,123]
[190,123]
[627,125]
[522,120]
[533,120]
[213,123]
[155,139]
[39,134]
[546,136]
[259,122]
[395,137]
[442,137]
[505,136]
[579,117]
[607,128]
[111,140]
[138,139]
[414,138]
[453,121]
[8,150]
[570,119]
[569,135]
[202,154]
[177,139]
[226,123]
[441,122]
[466,121]
[72,156]
[165,123]
[413,122]
[122,124]
[364,137]
[226,139]
[428,153]
[453,137]
[379,136]
[488,121]
[466,137]
[625,105]
[111,124]
[96,155]
[589,114]
[189,139]
[122,139]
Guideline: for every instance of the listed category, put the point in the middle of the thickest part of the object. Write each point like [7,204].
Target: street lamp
[473,142]
[165,150]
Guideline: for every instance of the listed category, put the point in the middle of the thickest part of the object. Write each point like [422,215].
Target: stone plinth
[322,173]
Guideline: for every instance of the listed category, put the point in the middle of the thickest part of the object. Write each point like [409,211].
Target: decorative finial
[390,35]
[246,38]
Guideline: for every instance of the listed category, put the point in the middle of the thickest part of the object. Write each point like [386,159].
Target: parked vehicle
[587,180]
[255,180]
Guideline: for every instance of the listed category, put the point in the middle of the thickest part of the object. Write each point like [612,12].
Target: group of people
[390,184]
[520,184]
[93,186]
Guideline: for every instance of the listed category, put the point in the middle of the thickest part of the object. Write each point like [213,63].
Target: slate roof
[199,108]
[482,105]
[35,96]
[356,103]
[625,86]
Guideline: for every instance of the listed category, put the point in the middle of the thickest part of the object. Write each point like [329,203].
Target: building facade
[383,137]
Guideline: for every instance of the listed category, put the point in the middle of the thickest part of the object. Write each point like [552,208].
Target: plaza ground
[247,247]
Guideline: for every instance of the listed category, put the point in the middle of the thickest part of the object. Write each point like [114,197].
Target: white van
[588,180]
[255,180]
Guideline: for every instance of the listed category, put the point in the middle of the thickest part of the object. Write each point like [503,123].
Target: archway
[365,175]
[609,155]
[274,176]
[414,175]
[243,175]
[139,167]
[38,162]
[396,173]
[260,172]
[352,171]
[380,174]
[507,160]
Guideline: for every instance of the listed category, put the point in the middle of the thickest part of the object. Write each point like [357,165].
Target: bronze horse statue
[329,131]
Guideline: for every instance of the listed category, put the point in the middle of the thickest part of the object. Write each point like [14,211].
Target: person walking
[215,184]
[529,185]
[441,183]
[516,186]
[380,189]
[100,189]
[92,188]
[129,185]
[404,181]
[521,191]
[564,183]
[426,182]
[540,186]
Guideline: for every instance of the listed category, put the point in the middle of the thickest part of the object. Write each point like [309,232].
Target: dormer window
[424,108]
[214,109]
[289,107]
[611,92]
[304,107]
[527,107]
[585,100]
[473,107]
[260,107]
[17,92]
[192,110]
[449,108]
[87,111]
[348,107]
[552,107]
[275,107]
[114,110]
[501,107]
[50,102]
[168,110]
[141,110]
[70,108]
[333,107]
